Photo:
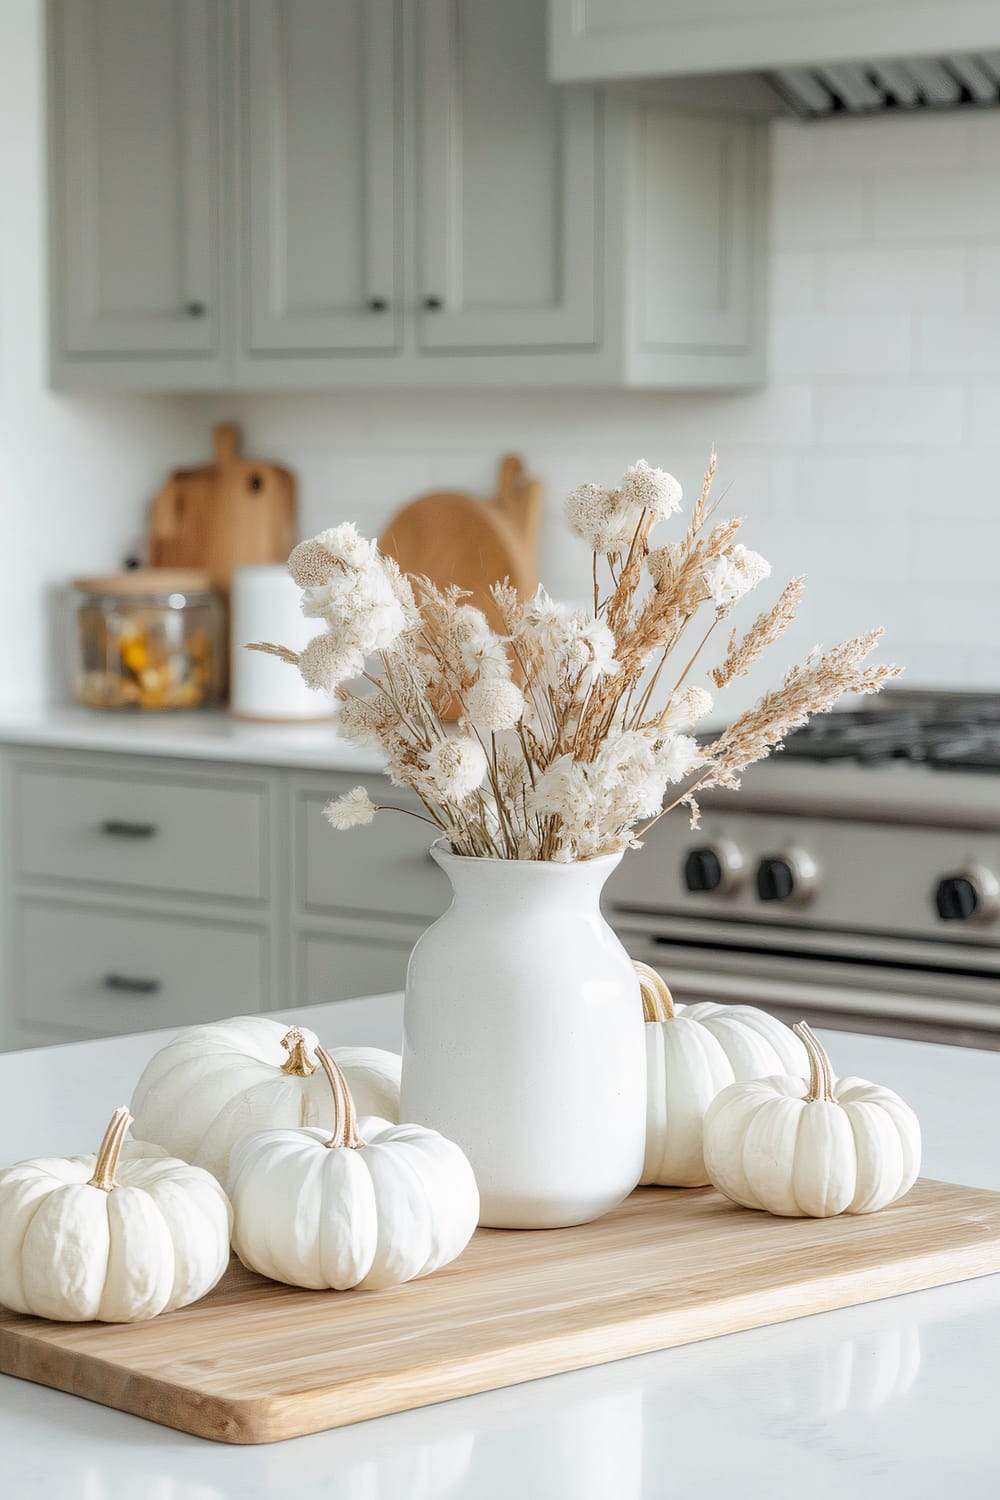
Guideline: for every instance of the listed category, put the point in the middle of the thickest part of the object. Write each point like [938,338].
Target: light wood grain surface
[255,1362]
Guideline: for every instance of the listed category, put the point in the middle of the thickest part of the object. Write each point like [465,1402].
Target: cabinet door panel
[368,959]
[321,105]
[135,164]
[385,869]
[694,257]
[507,180]
[105,973]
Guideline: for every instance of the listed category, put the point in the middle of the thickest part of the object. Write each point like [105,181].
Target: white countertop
[895,1399]
[206,734]
[892,792]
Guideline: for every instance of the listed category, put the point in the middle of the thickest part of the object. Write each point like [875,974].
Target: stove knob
[715,869]
[970,895]
[789,876]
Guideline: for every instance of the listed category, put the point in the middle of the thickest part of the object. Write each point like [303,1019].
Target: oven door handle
[740,989]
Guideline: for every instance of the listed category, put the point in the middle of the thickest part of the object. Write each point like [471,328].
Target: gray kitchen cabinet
[102,972]
[354,959]
[400,200]
[146,891]
[695,301]
[321,121]
[136,830]
[507,180]
[609,39]
[135,153]
[386,867]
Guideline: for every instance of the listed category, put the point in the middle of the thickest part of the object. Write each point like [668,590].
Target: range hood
[860,88]
[815,58]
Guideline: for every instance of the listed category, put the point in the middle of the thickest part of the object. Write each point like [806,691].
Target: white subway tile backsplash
[830,344]
[984,420]
[956,488]
[795,148]
[887,414]
[794,280]
[819,211]
[984,137]
[984,277]
[970,553]
[894,143]
[933,207]
[910,277]
[967,346]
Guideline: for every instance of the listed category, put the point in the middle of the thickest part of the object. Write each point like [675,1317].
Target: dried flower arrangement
[571,731]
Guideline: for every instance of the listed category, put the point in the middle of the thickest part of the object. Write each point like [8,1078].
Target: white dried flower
[456,767]
[654,490]
[482,651]
[366,602]
[677,757]
[353,810]
[325,662]
[603,518]
[561,789]
[590,648]
[607,520]
[360,721]
[688,710]
[735,573]
[494,704]
[573,640]
[664,564]
[311,564]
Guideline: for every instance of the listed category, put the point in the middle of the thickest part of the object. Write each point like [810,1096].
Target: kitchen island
[890,1399]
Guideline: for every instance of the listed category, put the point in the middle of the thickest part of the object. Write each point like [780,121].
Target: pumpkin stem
[298,1063]
[657,1001]
[345,1121]
[820,1071]
[110,1150]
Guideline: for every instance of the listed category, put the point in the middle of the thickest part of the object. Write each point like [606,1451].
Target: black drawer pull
[120,828]
[124,984]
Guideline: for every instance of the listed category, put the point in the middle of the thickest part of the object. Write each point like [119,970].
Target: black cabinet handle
[196,309]
[120,828]
[125,984]
[377,304]
[433,304]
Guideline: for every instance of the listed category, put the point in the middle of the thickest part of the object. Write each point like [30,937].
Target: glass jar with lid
[151,638]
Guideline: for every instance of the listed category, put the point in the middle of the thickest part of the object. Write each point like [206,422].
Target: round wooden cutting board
[451,537]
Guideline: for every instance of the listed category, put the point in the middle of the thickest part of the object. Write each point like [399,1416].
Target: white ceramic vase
[524,1040]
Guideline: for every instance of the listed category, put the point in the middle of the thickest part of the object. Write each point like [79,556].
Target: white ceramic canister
[524,1040]
[266,606]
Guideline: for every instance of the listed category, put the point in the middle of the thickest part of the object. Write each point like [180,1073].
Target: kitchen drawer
[349,964]
[105,972]
[142,831]
[384,868]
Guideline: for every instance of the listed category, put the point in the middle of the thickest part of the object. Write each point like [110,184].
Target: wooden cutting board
[224,514]
[452,537]
[255,1362]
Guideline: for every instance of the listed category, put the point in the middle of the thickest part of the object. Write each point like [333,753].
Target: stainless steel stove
[854,879]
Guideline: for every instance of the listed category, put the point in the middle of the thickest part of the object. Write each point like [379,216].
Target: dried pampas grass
[576,727]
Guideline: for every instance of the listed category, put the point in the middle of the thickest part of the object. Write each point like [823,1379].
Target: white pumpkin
[213,1084]
[692,1052]
[117,1237]
[371,1205]
[811,1148]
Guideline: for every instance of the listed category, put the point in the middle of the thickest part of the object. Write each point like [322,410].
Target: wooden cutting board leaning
[452,537]
[223,514]
[255,1361]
